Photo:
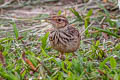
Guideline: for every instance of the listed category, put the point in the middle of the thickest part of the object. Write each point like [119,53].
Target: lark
[64,37]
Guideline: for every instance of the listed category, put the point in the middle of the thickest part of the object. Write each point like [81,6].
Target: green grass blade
[102,64]
[105,31]
[113,63]
[90,12]
[44,40]
[86,26]
[87,21]
[44,53]
[16,32]
[59,12]
[102,7]
[76,14]
[5,40]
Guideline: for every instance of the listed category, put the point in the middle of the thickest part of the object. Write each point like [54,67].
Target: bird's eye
[59,20]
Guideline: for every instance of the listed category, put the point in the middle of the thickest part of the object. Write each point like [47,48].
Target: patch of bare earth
[28,18]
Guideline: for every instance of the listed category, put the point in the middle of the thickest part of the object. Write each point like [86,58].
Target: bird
[63,37]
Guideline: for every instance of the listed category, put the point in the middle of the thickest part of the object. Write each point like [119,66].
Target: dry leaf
[101,72]
[23,55]
[105,1]
[30,64]
[2,59]
[19,38]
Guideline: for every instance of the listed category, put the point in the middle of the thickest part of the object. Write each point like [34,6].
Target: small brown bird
[63,38]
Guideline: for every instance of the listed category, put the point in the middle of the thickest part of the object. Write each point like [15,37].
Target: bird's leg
[62,56]
[74,55]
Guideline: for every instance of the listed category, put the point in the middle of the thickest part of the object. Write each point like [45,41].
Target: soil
[31,17]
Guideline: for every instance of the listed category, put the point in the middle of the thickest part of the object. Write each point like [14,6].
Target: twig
[25,4]
[44,66]
[102,20]
[7,3]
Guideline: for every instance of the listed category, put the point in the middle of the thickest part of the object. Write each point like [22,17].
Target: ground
[25,52]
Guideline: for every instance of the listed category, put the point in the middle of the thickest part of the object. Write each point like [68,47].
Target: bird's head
[58,21]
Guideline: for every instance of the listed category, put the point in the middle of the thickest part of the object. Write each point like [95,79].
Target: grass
[25,56]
